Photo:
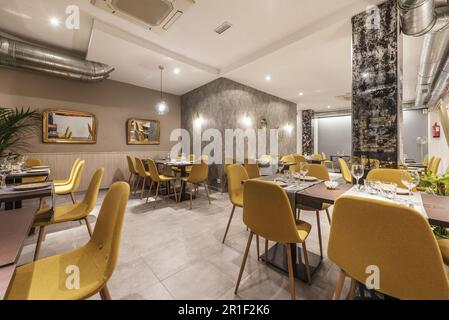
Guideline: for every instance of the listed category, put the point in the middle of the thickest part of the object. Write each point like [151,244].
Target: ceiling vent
[225,26]
[156,15]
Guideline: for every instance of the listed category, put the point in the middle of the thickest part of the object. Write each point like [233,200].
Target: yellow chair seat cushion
[306,208]
[72,212]
[166,178]
[60,182]
[63,189]
[303,229]
[46,279]
[444,247]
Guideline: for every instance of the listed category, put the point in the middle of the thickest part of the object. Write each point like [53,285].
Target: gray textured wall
[334,135]
[377,84]
[223,102]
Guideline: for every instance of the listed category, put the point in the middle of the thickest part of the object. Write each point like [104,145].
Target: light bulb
[162,108]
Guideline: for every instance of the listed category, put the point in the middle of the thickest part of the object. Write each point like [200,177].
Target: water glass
[357,172]
[390,190]
[303,170]
[411,180]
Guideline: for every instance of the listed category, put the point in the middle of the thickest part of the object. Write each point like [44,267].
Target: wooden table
[15,226]
[17,178]
[182,166]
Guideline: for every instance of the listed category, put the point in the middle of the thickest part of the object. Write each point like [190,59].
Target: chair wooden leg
[157,192]
[351,293]
[174,191]
[229,224]
[191,195]
[291,275]
[258,247]
[143,188]
[306,262]
[328,216]
[266,250]
[319,233]
[245,257]
[41,203]
[130,177]
[40,238]
[149,192]
[88,226]
[340,284]
[72,195]
[104,293]
[207,192]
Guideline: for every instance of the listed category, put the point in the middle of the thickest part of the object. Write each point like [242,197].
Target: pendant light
[161,106]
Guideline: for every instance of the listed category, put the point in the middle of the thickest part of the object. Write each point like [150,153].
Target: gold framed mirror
[73,127]
[143,132]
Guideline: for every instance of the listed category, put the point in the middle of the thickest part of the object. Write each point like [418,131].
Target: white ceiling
[304,45]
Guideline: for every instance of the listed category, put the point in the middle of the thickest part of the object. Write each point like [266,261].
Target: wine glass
[303,170]
[411,180]
[357,172]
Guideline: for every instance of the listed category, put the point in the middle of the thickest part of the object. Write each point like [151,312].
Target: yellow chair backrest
[317,156]
[298,158]
[78,175]
[323,155]
[318,171]
[140,168]
[410,266]
[345,170]
[288,159]
[252,170]
[387,175]
[33,162]
[429,166]
[426,160]
[104,247]
[73,170]
[90,199]
[199,173]
[131,164]
[236,175]
[153,171]
[436,165]
[268,213]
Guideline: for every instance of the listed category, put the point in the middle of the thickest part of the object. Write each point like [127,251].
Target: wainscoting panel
[114,163]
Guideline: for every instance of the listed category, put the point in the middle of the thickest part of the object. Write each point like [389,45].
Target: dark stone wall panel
[307,132]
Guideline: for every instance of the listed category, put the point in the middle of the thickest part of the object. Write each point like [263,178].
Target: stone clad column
[377,84]
[307,132]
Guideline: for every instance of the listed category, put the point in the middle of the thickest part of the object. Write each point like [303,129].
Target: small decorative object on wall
[263,123]
[63,126]
[144,132]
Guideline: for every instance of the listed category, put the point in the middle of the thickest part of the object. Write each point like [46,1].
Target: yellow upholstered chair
[63,182]
[444,247]
[45,279]
[159,179]
[133,174]
[318,171]
[72,212]
[345,171]
[387,175]
[411,267]
[317,156]
[436,165]
[72,187]
[142,174]
[252,170]
[267,213]
[288,159]
[298,158]
[426,160]
[430,164]
[33,162]
[236,176]
[198,176]
[326,161]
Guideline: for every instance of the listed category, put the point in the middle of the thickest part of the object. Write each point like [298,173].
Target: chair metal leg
[229,224]
[291,275]
[40,238]
[88,226]
[328,216]
[340,284]
[104,293]
[149,193]
[351,293]
[319,233]
[130,177]
[192,187]
[306,262]
[266,250]
[143,188]
[258,247]
[157,192]
[207,192]
[72,195]
[245,257]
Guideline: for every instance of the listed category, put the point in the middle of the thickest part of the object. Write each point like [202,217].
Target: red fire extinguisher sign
[436,130]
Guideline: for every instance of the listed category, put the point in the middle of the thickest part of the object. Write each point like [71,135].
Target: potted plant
[437,185]
[16,126]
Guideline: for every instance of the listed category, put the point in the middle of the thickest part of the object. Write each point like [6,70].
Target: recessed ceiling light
[177,71]
[268,78]
[301,94]
[54,21]
[329,107]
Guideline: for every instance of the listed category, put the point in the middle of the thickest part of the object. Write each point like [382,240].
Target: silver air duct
[423,17]
[22,55]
